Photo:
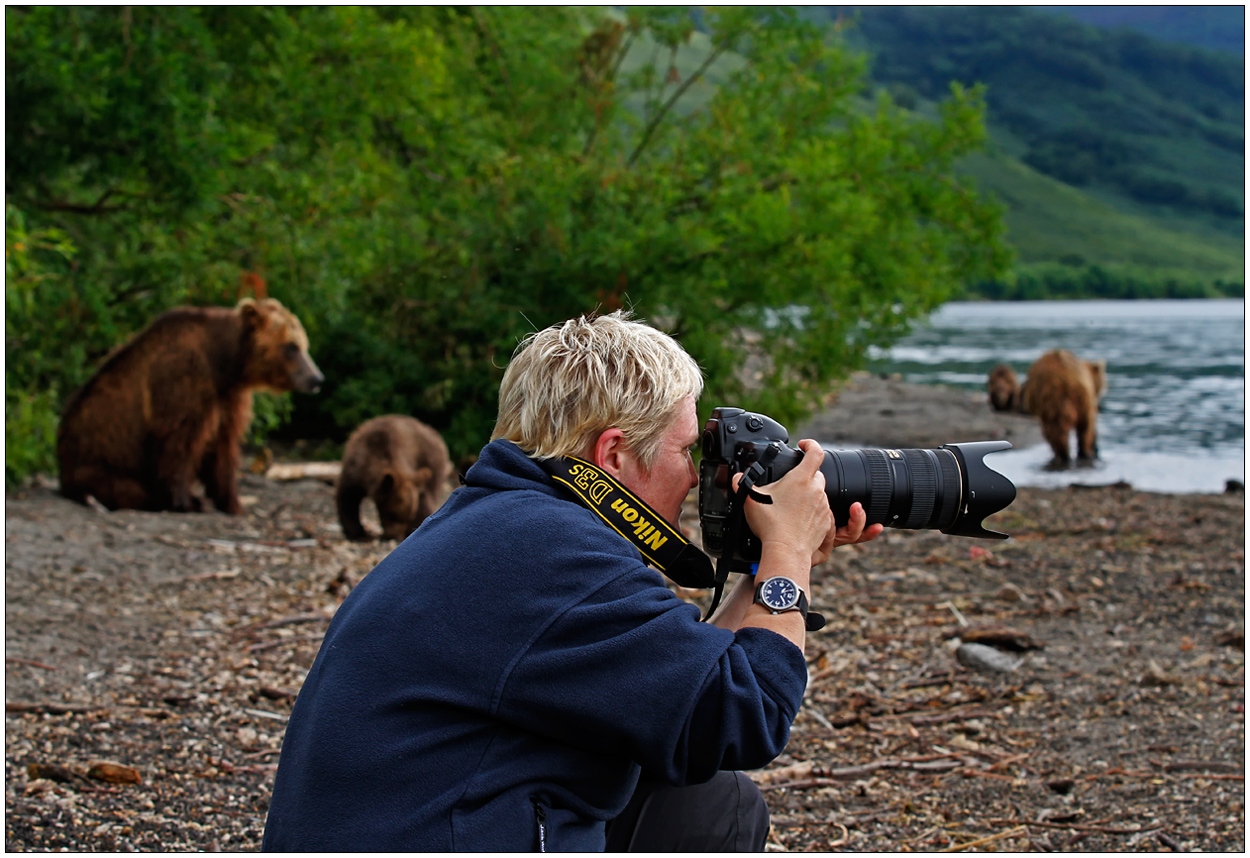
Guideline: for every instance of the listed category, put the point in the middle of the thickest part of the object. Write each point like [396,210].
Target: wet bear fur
[171,406]
[400,464]
[1062,392]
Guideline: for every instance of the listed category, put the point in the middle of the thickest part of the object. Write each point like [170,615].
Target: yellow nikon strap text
[661,544]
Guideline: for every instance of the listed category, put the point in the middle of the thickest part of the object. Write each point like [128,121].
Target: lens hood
[985,491]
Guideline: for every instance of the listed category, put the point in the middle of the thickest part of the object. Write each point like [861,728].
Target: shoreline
[875,411]
[884,411]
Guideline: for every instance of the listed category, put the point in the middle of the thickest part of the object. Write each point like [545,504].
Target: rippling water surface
[1173,416]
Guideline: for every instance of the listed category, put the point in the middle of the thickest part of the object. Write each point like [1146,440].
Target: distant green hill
[1217,28]
[1120,158]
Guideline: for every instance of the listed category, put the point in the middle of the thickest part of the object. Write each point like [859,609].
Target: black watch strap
[812,620]
[815,621]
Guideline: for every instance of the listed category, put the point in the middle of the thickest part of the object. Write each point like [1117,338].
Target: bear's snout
[307,377]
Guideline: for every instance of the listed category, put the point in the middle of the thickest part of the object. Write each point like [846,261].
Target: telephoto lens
[948,488]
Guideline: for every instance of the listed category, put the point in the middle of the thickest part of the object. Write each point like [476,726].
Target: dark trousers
[726,814]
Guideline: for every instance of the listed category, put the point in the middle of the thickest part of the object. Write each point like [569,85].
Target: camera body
[948,488]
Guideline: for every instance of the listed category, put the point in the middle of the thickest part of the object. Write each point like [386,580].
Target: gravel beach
[1078,687]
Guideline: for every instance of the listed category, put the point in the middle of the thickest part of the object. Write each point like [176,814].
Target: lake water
[1173,416]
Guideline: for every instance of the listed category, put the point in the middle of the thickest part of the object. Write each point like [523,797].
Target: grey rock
[985,658]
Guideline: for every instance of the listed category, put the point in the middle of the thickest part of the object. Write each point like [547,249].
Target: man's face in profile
[664,488]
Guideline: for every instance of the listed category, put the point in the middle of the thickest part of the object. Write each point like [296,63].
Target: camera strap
[660,543]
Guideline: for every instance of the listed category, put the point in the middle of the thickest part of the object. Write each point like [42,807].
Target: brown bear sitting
[401,465]
[1063,393]
[171,406]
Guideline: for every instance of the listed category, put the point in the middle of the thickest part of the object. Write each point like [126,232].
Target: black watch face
[779,594]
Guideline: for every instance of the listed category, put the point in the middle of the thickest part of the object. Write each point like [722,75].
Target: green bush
[39,344]
[423,186]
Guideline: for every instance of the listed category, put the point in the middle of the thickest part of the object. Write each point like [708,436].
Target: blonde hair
[571,381]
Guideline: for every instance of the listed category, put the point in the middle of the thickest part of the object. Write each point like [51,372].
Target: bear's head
[1098,372]
[1003,387]
[399,501]
[277,357]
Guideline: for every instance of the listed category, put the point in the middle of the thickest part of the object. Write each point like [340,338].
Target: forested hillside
[1217,28]
[1120,158]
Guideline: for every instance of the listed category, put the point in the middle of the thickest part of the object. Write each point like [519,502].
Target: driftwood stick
[1199,766]
[804,784]
[291,620]
[1211,777]
[844,839]
[932,679]
[1169,841]
[982,841]
[827,777]
[295,639]
[51,708]
[986,773]
[304,470]
[1122,772]
[1073,826]
[1006,761]
[926,720]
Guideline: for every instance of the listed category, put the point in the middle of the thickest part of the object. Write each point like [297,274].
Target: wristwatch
[780,594]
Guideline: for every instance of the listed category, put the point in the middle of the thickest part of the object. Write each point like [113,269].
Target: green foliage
[111,104]
[425,185]
[270,411]
[35,267]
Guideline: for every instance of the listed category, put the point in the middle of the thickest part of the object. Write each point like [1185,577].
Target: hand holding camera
[948,489]
[774,521]
[791,514]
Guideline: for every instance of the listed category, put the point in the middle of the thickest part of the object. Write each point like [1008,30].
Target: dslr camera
[948,489]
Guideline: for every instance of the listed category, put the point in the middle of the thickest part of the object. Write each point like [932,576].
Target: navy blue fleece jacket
[497,681]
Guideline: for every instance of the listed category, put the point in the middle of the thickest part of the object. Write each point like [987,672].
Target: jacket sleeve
[630,669]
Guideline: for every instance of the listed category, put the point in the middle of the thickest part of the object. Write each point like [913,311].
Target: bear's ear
[251,313]
[1098,369]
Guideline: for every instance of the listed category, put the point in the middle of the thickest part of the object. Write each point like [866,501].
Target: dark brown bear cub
[401,465]
[171,406]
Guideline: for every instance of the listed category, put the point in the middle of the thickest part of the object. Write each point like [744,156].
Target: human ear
[610,451]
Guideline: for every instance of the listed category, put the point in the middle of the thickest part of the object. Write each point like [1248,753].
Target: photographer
[500,681]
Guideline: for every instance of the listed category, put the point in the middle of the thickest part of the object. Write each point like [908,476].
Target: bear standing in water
[171,406]
[399,463]
[1062,392]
